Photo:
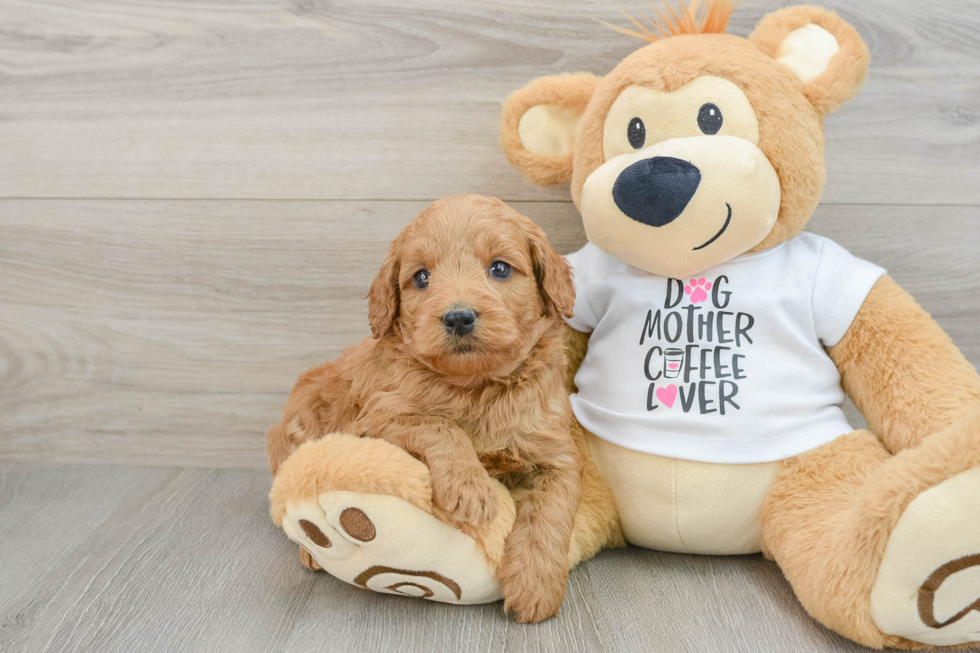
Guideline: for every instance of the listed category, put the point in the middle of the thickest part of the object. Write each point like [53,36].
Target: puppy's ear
[552,272]
[384,295]
[821,50]
[539,125]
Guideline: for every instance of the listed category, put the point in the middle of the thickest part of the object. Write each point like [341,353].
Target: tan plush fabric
[904,374]
[685,506]
[846,71]
[343,462]
[549,129]
[390,489]
[789,112]
[568,92]
[946,609]
[407,551]
[597,523]
[737,179]
[831,514]
[846,522]
[807,51]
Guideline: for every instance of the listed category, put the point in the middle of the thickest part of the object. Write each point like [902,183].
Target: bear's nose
[655,191]
[459,321]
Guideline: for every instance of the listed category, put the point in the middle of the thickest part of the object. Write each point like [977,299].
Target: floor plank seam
[333,200]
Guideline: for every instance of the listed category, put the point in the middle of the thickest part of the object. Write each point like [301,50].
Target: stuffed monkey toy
[723,338]
[716,343]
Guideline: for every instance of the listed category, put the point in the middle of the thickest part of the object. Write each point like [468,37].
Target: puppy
[466,371]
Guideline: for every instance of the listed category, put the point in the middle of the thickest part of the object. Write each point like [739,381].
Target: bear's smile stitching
[723,227]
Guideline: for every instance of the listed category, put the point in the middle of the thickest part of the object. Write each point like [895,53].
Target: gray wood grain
[170,332]
[152,559]
[397,99]
[126,559]
[166,330]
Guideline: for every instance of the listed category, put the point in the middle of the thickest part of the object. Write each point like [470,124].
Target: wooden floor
[166,559]
[194,196]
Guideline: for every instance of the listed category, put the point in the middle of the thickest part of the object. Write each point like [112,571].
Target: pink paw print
[697,289]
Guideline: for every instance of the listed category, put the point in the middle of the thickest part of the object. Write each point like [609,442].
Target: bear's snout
[655,191]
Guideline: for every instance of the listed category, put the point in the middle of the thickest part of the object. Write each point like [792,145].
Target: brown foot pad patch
[426,592]
[315,534]
[357,524]
[365,576]
[927,593]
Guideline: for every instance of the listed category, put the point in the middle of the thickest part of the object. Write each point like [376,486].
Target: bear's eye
[499,270]
[709,118]
[636,133]
[422,279]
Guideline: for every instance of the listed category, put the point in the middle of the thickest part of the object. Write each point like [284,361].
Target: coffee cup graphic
[673,360]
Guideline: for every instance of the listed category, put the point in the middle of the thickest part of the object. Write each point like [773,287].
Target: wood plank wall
[195,195]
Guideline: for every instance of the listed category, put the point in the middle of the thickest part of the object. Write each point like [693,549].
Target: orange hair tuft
[710,18]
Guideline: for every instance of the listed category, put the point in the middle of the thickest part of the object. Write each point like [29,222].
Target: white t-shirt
[728,367]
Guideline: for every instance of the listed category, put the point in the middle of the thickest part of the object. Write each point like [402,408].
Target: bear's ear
[825,53]
[540,121]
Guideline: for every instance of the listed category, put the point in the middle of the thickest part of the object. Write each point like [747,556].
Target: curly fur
[497,393]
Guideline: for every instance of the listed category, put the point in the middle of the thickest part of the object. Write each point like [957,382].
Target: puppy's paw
[533,590]
[467,494]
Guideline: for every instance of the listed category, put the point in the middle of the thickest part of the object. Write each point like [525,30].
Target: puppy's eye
[709,118]
[636,133]
[422,279]
[499,270]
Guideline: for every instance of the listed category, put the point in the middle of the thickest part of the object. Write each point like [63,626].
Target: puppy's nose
[459,321]
[655,191]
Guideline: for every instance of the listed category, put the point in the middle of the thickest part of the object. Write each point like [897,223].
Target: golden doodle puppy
[466,372]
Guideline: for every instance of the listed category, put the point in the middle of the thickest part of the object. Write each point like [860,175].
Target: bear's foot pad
[385,544]
[928,585]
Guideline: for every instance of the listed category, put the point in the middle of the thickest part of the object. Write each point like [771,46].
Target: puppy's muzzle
[459,321]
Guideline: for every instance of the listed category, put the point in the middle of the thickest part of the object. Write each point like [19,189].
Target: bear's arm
[576,344]
[902,371]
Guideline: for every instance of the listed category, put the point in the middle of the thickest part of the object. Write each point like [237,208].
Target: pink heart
[673,366]
[667,395]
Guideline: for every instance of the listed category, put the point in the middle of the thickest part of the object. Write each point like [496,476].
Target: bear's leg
[361,509]
[597,523]
[884,549]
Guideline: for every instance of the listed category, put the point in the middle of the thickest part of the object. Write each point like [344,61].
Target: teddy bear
[712,344]
[724,338]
